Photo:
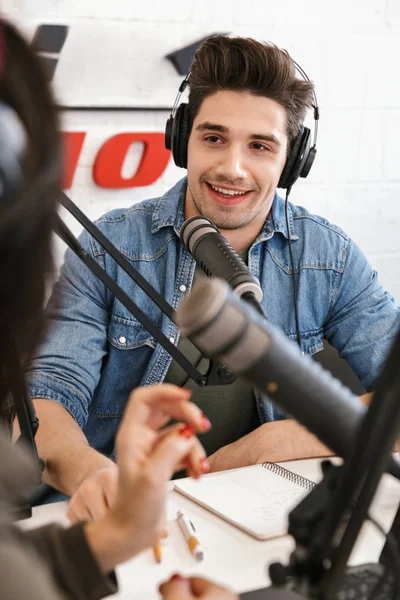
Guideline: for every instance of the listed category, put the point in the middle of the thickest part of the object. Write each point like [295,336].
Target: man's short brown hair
[246,65]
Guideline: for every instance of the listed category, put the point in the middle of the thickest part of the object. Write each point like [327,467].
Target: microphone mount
[326,523]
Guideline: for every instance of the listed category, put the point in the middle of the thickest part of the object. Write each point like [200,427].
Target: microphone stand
[216,374]
[28,423]
[326,523]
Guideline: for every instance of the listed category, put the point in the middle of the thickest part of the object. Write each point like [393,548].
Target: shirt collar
[276,222]
[170,208]
[170,212]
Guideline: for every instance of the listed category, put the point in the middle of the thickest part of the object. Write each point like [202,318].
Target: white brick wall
[351,49]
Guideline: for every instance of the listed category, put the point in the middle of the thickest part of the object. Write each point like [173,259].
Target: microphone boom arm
[216,374]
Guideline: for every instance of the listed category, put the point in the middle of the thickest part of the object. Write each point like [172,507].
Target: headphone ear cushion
[13,148]
[295,160]
[183,135]
[168,133]
[176,141]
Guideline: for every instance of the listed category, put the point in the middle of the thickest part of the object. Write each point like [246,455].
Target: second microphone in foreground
[230,331]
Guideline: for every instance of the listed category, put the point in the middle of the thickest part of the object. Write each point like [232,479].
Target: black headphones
[300,157]
[13,142]
[13,148]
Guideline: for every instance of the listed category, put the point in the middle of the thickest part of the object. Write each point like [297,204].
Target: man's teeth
[227,192]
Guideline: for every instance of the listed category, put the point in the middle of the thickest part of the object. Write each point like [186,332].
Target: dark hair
[244,64]
[26,219]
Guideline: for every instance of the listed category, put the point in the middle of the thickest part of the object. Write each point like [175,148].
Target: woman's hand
[147,457]
[182,588]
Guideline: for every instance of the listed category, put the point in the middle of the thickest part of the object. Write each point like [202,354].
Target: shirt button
[122,340]
[172,340]
[182,288]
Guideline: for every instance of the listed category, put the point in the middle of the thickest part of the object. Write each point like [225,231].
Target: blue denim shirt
[96,352]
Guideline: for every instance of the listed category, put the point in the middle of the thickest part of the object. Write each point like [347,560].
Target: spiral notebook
[255,499]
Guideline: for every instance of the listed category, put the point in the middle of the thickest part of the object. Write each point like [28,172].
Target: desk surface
[232,557]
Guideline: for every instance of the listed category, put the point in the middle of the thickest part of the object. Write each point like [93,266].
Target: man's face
[236,153]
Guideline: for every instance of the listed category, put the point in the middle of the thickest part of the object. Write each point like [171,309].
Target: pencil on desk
[157,552]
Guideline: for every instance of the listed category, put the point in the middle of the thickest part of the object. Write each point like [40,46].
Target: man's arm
[274,442]
[278,441]
[65,372]
[63,446]
[363,319]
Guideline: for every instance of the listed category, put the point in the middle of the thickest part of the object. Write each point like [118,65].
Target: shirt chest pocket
[311,341]
[130,347]
[128,335]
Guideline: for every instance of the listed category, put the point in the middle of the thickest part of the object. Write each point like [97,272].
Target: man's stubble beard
[224,223]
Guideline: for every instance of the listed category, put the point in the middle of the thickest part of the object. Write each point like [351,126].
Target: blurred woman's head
[30,168]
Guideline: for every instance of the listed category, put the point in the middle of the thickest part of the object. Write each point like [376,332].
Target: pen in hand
[189,532]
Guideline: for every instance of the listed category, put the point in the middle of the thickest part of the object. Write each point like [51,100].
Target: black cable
[296,313]
[251,299]
[393,550]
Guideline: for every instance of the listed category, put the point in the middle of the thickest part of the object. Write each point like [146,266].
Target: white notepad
[256,499]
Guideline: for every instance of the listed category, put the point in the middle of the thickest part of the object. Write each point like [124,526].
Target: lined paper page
[254,499]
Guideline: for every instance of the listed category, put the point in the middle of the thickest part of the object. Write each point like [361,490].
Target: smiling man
[236,154]
[246,109]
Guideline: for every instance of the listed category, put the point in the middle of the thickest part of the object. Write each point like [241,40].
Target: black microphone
[230,331]
[213,253]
